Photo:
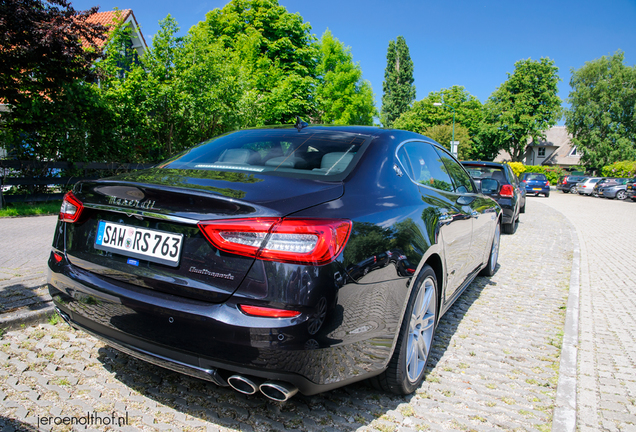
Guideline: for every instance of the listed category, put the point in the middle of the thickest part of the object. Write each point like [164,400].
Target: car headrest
[238,156]
[336,162]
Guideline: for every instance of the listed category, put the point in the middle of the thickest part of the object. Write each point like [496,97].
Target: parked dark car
[229,262]
[604,182]
[614,190]
[566,183]
[630,189]
[536,184]
[511,195]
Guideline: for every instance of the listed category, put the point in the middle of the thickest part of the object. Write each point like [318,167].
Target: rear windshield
[540,177]
[313,153]
[481,172]
[576,178]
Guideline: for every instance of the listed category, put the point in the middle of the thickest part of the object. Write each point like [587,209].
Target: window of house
[573,152]
[541,151]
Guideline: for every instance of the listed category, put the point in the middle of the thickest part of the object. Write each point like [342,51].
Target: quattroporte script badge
[206,272]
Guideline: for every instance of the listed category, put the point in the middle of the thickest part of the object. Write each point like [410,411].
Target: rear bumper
[210,341]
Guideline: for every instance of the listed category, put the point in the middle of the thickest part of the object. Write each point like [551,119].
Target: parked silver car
[586,187]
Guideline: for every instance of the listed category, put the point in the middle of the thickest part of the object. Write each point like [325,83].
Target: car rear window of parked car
[311,153]
[482,172]
[540,177]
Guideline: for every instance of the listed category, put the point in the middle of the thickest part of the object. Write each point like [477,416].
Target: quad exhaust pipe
[243,384]
[275,390]
[278,390]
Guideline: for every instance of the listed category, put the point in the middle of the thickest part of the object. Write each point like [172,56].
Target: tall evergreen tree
[398,88]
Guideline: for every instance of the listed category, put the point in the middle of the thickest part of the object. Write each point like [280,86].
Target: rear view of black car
[510,194]
[278,260]
[566,183]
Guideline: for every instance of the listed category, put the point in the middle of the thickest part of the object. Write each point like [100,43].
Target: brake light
[506,191]
[71,209]
[268,312]
[299,241]
[547,183]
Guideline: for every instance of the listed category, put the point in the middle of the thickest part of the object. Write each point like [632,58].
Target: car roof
[483,163]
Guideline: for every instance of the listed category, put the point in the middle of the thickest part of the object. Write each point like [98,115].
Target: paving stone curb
[27,317]
[564,416]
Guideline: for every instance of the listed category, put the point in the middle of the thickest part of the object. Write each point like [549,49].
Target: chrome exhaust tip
[64,316]
[278,391]
[243,384]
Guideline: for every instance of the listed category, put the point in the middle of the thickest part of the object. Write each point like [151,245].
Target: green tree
[342,96]
[42,48]
[277,53]
[602,114]
[427,119]
[523,107]
[443,134]
[398,88]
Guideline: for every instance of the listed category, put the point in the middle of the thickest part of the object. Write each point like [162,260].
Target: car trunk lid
[162,208]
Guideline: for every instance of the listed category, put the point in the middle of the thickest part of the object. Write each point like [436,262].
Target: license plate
[147,244]
[536,188]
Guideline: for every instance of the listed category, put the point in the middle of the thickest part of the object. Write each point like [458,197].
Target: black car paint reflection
[350,310]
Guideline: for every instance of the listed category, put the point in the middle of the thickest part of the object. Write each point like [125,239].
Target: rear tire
[489,270]
[408,364]
[509,228]
[523,209]
[547,195]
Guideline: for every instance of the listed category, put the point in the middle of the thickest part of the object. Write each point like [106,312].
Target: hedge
[622,169]
[551,173]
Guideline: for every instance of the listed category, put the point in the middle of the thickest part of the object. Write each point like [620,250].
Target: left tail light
[71,209]
[506,191]
[298,241]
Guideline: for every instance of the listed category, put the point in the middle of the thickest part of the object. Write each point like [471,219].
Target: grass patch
[54,319]
[31,209]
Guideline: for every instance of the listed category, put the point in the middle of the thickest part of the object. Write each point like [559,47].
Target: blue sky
[472,43]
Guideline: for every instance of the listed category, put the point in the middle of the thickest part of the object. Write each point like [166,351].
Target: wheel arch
[435,262]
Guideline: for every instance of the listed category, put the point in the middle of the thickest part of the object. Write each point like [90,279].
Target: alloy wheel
[421,330]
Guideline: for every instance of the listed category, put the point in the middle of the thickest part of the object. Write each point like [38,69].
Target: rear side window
[461,179]
[308,153]
[424,165]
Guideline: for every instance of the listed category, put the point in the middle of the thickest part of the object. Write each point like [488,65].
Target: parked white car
[586,187]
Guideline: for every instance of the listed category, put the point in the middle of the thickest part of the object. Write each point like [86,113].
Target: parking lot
[494,366]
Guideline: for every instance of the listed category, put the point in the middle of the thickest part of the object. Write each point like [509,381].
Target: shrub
[623,169]
[517,167]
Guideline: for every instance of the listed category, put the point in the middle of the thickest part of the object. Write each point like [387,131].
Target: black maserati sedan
[232,262]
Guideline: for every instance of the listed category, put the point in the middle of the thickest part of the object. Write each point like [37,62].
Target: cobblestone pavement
[493,367]
[606,398]
[25,245]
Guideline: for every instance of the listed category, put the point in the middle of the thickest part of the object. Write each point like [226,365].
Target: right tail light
[506,191]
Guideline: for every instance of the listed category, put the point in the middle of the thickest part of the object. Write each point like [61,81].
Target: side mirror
[488,186]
